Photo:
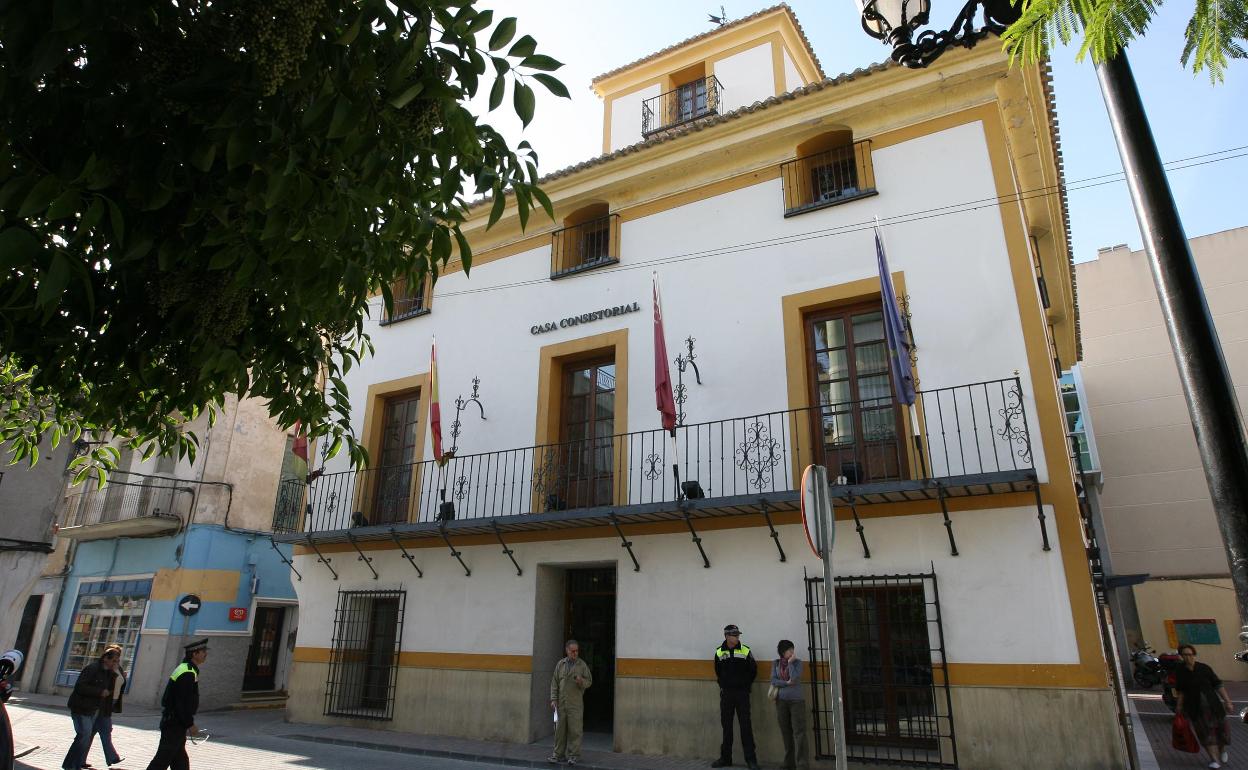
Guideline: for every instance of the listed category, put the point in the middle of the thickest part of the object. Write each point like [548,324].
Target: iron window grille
[898,709]
[409,301]
[585,246]
[364,660]
[688,101]
[828,178]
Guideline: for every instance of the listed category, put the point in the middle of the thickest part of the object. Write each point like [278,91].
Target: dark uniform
[177,713]
[735,670]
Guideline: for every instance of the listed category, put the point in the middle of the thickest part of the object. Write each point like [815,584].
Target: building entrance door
[589,618]
[261,668]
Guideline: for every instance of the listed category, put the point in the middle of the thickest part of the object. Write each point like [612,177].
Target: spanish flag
[435,408]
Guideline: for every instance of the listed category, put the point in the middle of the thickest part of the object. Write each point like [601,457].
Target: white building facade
[436,598]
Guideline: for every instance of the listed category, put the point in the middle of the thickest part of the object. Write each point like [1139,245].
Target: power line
[891,221]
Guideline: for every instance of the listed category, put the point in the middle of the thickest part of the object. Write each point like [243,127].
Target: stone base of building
[994,727]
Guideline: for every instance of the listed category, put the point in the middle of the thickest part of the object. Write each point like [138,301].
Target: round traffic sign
[189,604]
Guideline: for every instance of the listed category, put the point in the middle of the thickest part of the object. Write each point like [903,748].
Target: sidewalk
[1155,719]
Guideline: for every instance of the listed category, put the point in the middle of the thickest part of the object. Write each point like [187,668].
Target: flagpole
[911,413]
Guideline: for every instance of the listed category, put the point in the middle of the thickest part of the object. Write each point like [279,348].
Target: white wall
[626,117]
[1003,599]
[745,77]
[792,79]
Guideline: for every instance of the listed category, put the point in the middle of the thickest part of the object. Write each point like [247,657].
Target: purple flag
[894,330]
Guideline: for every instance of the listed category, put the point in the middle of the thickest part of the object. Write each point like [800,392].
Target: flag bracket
[862,536]
[944,510]
[1044,528]
[410,559]
[446,539]
[775,536]
[498,533]
[684,511]
[320,556]
[625,543]
[368,562]
[282,556]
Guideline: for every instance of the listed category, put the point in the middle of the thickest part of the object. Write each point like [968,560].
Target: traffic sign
[817,509]
[189,604]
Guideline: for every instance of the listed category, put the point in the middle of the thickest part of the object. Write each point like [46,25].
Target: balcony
[828,178]
[130,505]
[956,442]
[585,246]
[689,102]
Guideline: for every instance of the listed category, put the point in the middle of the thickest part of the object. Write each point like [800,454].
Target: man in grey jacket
[567,689]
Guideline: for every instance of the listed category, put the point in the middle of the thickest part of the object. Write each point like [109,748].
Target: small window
[829,170]
[588,239]
[410,299]
[364,660]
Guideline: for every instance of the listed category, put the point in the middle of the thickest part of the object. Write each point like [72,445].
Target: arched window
[589,238]
[830,168]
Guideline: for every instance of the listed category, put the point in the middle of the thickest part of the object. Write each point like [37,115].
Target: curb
[443,753]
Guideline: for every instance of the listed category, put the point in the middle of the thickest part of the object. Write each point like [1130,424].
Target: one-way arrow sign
[189,604]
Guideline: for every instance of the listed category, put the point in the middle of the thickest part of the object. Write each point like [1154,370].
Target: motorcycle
[1150,669]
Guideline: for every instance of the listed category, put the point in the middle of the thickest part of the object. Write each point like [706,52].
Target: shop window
[109,612]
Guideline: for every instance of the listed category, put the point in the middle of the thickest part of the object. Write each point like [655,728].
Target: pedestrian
[567,689]
[786,677]
[177,709]
[735,670]
[93,688]
[1201,698]
[103,726]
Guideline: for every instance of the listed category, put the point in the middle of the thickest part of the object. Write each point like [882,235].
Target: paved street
[1157,719]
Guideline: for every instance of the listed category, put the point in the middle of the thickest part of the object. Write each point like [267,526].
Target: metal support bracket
[866,550]
[447,540]
[498,533]
[1044,529]
[625,543]
[775,536]
[282,556]
[684,510]
[944,509]
[321,557]
[410,559]
[368,562]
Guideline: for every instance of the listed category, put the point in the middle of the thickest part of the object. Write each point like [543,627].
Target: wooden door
[587,430]
[260,672]
[392,488]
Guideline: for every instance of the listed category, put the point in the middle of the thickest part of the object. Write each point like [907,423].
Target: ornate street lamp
[896,21]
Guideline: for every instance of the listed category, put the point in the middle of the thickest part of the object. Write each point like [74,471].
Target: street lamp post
[1206,381]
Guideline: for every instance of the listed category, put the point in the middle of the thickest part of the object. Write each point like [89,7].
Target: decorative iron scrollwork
[758,455]
[546,476]
[461,487]
[680,393]
[653,469]
[1014,429]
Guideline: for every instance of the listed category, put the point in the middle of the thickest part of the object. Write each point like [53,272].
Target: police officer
[735,670]
[178,706]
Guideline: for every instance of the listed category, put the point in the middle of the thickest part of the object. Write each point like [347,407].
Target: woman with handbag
[1203,700]
[786,691]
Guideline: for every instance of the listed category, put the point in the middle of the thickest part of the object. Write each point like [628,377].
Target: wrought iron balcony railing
[968,432]
[690,101]
[126,496]
[585,246]
[827,178]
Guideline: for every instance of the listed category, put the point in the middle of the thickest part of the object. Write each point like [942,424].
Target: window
[829,169]
[363,663]
[857,418]
[1076,424]
[691,100]
[290,489]
[694,94]
[392,493]
[410,300]
[588,239]
[587,425]
[108,612]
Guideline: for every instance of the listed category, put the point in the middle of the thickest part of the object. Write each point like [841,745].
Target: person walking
[103,726]
[93,688]
[1201,698]
[567,690]
[177,709]
[735,671]
[786,677]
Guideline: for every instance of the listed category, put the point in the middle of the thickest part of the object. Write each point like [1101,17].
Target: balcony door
[392,488]
[691,100]
[587,424]
[857,424]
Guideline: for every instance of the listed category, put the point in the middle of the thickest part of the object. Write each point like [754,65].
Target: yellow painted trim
[777,65]
[606,125]
[310,655]
[458,661]
[210,585]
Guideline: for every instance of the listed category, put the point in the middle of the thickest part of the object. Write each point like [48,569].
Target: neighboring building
[162,530]
[28,496]
[435,598]
[1158,514]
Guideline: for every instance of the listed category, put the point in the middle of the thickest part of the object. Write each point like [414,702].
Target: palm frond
[1215,34]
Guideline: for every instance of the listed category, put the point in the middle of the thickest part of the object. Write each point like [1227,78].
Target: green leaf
[53,283]
[541,62]
[481,21]
[503,33]
[18,247]
[117,222]
[410,93]
[65,205]
[496,208]
[524,102]
[40,196]
[348,37]
[203,156]
[544,201]
[497,91]
[238,148]
[525,46]
[552,84]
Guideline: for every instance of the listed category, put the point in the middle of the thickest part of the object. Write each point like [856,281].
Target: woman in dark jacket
[1202,698]
[104,719]
[93,688]
[786,677]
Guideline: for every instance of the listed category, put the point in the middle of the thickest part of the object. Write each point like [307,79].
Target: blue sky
[1189,116]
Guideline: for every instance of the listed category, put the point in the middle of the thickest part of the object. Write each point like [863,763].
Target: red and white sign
[238,614]
[816,506]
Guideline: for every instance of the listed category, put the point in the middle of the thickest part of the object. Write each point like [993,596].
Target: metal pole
[1202,369]
[827,534]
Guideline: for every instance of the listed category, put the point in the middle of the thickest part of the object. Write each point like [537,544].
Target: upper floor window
[588,239]
[693,94]
[829,169]
[411,298]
